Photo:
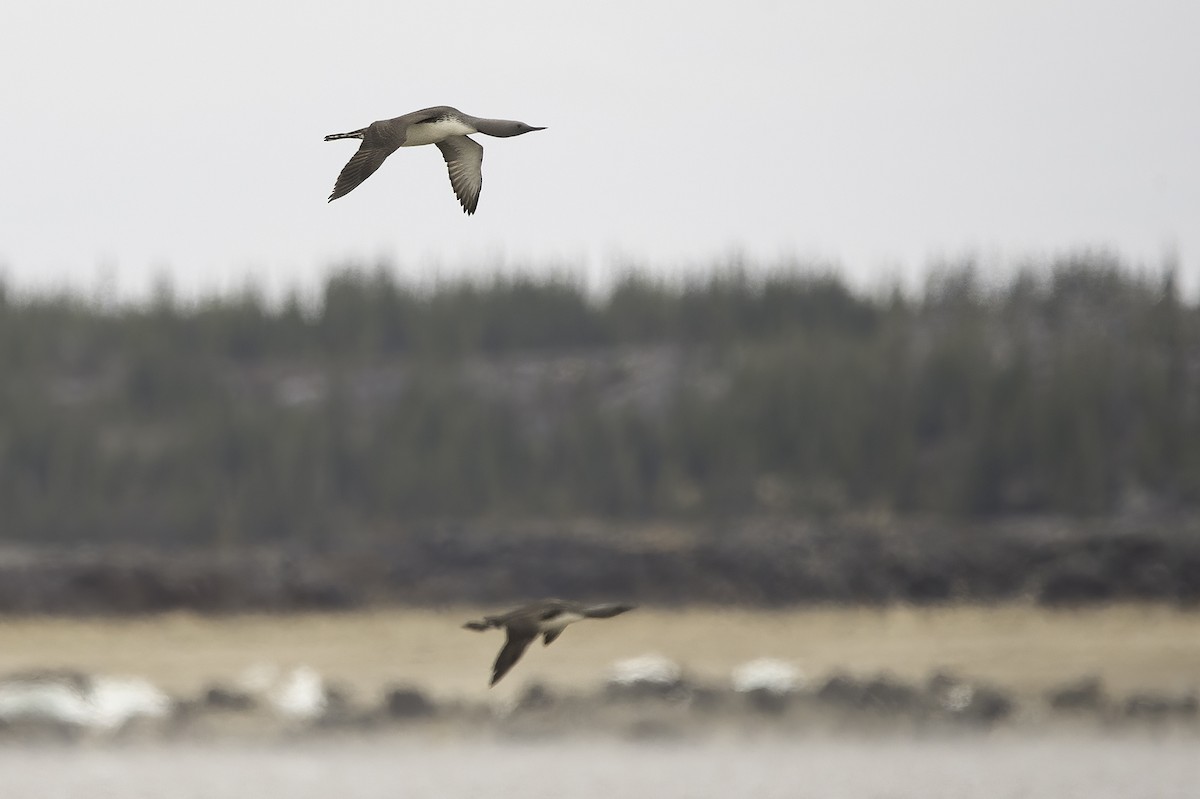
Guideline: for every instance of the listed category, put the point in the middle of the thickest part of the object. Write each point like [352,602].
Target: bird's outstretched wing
[514,647]
[360,167]
[464,159]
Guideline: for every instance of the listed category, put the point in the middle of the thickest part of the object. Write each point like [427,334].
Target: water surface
[995,767]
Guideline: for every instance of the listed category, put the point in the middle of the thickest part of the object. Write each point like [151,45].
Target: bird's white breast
[434,132]
[560,621]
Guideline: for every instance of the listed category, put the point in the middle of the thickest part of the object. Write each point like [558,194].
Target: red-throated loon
[441,125]
[547,617]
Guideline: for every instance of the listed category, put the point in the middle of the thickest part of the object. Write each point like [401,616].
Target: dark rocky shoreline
[757,563]
[648,709]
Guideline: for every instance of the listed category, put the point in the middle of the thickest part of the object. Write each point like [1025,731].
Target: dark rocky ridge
[758,562]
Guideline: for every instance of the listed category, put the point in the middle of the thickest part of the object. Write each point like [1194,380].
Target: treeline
[1072,388]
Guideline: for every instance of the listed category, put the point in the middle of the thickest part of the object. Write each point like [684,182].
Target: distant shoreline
[902,669]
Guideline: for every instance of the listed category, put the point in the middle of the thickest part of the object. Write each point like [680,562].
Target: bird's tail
[488,623]
[354,134]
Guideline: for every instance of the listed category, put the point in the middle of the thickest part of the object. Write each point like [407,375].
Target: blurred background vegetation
[1072,388]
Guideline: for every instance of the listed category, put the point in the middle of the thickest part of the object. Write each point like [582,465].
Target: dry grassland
[1027,649]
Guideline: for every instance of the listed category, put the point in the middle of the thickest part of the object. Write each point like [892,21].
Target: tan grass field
[1028,649]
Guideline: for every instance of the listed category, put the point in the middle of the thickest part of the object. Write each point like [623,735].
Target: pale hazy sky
[143,138]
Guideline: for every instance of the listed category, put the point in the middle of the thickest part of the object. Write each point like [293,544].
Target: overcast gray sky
[143,137]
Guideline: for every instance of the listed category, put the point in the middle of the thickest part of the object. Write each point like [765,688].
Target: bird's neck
[502,128]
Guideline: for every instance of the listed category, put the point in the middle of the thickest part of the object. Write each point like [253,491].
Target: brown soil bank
[755,563]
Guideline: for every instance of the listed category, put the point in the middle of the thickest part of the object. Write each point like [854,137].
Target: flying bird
[442,125]
[547,618]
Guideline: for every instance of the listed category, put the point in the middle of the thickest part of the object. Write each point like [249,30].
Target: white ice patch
[103,703]
[768,674]
[298,693]
[43,700]
[117,700]
[646,669]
